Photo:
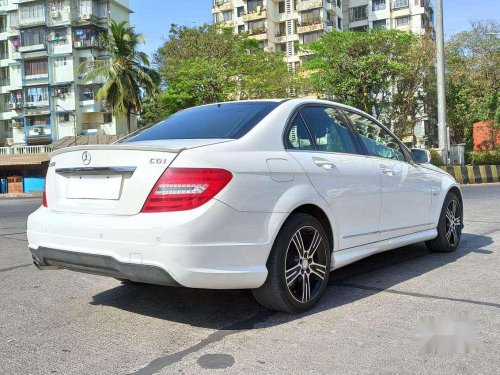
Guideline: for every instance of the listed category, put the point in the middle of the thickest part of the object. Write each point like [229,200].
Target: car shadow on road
[237,310]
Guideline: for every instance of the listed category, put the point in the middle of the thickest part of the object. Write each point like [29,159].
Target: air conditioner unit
[12,106]
[86,16]
[78,44]
[37,130]
[9,141]
[55,14]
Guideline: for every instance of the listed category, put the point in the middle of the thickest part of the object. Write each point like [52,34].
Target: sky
[154,17]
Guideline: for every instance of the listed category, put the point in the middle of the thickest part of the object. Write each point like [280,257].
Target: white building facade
[416,16]
[281,25]
[42,43]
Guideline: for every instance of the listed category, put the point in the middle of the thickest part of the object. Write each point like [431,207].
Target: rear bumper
[52,259]
[211,247]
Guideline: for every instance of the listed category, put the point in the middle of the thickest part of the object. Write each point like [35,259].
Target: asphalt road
[368,322]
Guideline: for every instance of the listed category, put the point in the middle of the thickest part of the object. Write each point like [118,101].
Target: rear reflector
[44,195]
[181,189]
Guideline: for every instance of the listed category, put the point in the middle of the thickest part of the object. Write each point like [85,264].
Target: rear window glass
[218,121]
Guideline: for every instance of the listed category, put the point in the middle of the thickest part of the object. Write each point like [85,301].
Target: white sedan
[265,195]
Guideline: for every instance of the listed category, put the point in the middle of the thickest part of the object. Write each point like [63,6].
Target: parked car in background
[265,195]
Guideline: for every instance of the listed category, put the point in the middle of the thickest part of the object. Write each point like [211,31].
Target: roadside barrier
[474,174]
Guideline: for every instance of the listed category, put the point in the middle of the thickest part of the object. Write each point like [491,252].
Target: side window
[328,130]
[298,137]
[377,140]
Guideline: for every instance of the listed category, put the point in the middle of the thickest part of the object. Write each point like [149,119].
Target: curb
[474,174]
[20,196]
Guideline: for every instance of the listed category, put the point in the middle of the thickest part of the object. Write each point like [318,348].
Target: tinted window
[378,141]
[298,137]
[328,130]
[224,121]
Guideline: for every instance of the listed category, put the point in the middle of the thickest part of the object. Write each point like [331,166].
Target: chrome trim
[127,147]
[95,171]
[385,231]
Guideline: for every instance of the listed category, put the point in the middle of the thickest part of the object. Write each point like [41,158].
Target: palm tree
[126,72]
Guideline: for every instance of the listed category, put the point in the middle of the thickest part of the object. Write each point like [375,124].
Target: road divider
[474,174]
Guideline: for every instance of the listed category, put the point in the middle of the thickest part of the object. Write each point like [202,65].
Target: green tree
[387,73]
[208,64]
[473,79]
[127,73]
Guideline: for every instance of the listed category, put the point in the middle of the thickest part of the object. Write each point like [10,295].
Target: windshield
[218,121]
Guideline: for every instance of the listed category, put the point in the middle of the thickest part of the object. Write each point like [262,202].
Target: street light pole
[441,91]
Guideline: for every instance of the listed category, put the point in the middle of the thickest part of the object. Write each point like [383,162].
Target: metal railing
[25,150]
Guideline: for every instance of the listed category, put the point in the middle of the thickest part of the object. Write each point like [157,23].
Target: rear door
[319,139]
[109,180]
[406,190]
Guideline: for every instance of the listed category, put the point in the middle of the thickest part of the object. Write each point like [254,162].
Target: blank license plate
[94,187]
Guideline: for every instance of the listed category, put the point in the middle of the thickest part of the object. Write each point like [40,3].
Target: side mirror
[420,156]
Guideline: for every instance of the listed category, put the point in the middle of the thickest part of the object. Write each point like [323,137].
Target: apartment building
[416,16]
[42,43]
[279,25]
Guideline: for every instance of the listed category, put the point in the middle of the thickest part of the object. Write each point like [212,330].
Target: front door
[329,153]
[406,192]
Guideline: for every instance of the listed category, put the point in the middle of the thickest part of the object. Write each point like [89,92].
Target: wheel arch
[320,215]
[458,193]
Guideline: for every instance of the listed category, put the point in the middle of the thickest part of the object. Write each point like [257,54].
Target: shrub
[485,157]
[436,158]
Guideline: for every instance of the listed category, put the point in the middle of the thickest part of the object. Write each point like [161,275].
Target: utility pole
[441,92]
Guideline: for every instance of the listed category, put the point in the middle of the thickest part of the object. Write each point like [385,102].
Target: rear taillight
[44,196]
[181,189]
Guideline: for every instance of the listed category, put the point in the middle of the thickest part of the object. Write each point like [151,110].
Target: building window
[359,29]
[33,37]
[37,94]
[311,37]
[108,118]
[378,5]
[227,16]
[281,7]
[254,5]
[61,61]
[358,13]
[400,4]
[35,67]
[402,21]
[33,12]
[241,29]
[63,117]
[240,11]
[60,35]
[380,25]
[257,27]
[339,23]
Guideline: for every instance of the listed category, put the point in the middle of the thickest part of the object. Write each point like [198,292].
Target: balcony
[308,26]
[39,134]
[259,33]
[25,150]
[34,47]
[29,22]
[309,4]
[88,43]
[254,16]
[223,7]
[37,104]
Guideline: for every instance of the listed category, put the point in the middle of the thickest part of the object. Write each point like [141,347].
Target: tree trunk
[128,120]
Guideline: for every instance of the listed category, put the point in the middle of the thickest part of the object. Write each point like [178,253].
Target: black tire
[304,271]
[448,239]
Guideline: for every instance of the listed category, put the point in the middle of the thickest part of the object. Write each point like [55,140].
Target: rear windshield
[218,121]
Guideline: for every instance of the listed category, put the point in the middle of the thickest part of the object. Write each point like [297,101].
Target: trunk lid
[105,180]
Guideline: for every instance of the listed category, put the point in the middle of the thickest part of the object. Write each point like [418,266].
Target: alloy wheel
[305,266]
[453,223]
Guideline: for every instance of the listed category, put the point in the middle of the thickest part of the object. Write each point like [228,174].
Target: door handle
[387,171]
[322,163]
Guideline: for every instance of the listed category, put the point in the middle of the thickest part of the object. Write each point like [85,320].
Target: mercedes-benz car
[266,195]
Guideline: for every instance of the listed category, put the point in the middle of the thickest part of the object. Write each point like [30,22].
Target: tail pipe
[42,266]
